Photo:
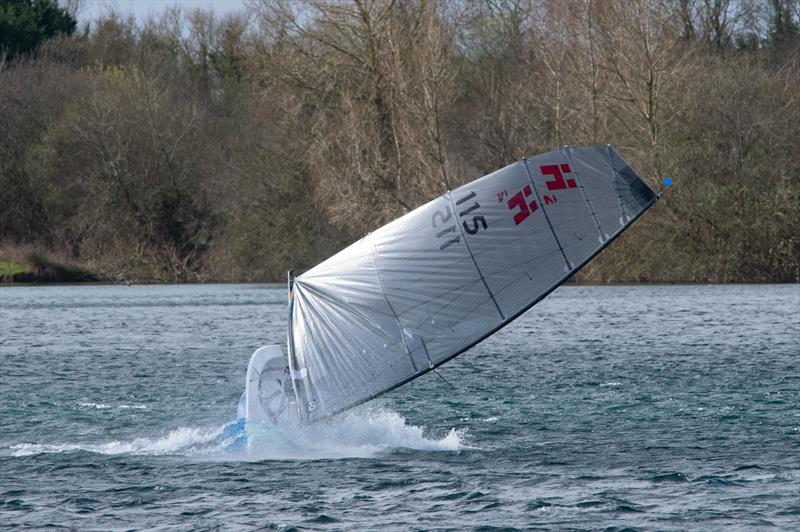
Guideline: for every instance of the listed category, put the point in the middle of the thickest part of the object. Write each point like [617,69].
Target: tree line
[191,146]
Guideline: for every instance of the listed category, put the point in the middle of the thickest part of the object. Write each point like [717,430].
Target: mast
[295,371]
[289,335]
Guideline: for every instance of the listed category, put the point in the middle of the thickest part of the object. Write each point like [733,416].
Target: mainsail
[433,283]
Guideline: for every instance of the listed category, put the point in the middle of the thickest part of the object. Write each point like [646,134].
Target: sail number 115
[448,230]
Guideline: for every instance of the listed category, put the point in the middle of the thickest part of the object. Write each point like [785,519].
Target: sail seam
[582,188]
[544,210]
[614,172]
[389,304]
[340,322]
[477,268]
[580,265]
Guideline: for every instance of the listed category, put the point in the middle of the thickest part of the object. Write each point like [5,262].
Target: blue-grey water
[646,407]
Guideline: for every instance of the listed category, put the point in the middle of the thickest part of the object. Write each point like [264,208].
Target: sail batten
[471,255]
[546,216]
[582,188]
[430,285]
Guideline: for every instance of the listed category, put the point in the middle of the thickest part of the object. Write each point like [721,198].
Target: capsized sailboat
[419,291]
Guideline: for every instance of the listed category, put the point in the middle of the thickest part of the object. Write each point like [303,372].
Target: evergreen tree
[25,24]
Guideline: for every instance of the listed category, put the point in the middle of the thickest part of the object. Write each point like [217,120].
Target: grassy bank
[38,267]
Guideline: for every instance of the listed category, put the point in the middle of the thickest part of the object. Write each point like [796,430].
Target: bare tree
[640,47]
[191,146]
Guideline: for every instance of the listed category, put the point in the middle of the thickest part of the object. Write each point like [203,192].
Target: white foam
[360,433]
[99,406]
[184,440]
[103,406]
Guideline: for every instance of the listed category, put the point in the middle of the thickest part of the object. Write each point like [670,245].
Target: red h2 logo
[519,201]
[558,181]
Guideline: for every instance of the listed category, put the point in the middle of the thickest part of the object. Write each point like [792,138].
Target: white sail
[426,287]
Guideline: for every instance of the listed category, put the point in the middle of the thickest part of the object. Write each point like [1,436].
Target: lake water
[668,407]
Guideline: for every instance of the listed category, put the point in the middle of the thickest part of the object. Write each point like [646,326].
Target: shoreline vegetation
[190,147]
[40,268]
[37,268]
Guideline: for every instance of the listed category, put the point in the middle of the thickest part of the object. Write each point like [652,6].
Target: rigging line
[442,377]
[430,273]
[446,305]
[457,290]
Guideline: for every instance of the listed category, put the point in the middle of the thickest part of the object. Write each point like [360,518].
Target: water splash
[185,440]
[98,406]
[104,406]
[356,434]
[359,433]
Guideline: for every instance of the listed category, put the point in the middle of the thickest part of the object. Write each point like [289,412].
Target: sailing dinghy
[423,289]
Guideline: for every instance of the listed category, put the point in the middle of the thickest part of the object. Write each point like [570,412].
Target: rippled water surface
[667,407]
